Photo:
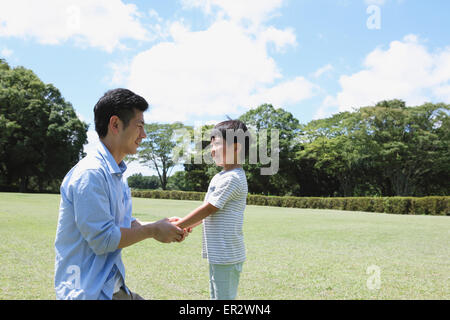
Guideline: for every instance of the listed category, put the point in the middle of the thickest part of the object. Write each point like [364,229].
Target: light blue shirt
[95,204]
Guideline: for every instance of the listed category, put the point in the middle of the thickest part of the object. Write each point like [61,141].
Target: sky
[199,61]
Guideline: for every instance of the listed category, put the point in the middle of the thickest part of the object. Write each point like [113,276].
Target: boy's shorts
[224,280]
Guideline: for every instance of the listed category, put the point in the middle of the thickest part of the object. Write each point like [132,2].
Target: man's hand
[165,231]
[174,220]
[162,230]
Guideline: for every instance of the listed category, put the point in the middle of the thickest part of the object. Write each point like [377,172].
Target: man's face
[132,136]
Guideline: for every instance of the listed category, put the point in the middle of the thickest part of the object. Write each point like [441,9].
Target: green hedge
[437,205]
[168,194]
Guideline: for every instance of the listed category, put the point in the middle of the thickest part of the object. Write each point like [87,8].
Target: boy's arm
[195,217]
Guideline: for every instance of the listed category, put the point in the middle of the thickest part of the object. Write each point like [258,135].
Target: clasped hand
[186,231]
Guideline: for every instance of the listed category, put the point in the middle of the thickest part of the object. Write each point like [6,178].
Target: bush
[396,205]
[256,200]
[431,206]
[168,194]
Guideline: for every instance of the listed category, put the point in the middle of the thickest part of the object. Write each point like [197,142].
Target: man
[95,220]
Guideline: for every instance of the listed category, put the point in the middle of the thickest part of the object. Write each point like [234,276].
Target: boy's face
[218,151]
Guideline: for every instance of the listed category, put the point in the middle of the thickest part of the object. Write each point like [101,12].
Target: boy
[223,210]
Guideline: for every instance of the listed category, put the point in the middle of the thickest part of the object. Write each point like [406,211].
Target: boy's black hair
[237,128]
[117,102]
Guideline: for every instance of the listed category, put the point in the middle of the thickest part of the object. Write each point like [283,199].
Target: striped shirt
[223,239]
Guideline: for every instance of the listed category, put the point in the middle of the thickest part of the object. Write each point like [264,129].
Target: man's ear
[114,124]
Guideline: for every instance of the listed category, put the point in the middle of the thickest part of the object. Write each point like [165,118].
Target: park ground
[291,253]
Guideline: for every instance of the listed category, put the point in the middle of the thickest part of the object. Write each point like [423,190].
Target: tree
[438,180]
[138,181]
[41,137]
[407,144]
[157,150]
[387,149]
[286,180]
[335,151]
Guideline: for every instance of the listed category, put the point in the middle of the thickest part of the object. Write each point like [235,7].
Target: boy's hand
[186,231]
[196,216]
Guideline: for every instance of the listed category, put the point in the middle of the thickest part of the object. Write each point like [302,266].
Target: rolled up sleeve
[93,215]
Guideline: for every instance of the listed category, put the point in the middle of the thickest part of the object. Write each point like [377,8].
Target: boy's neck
[228,167]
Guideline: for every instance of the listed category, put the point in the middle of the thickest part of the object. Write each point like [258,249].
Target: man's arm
[195,217]
[162,231]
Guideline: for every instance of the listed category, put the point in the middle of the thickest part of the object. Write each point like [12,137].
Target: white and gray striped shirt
[223,238]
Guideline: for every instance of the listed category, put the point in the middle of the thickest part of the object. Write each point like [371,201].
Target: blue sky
[197,61]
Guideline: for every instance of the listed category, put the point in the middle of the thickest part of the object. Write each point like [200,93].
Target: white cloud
[280,38]
[328,107]
[442,93]
[119,73]
[323,70]
[6,53]
[96,23]
[407,70]
[375,2]
[81,117]
[223,69]
[154,14]
[92,143]
[254,11]
[212,72]
[201,72]
[286,93]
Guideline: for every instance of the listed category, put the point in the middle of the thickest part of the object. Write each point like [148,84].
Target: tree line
[388,149]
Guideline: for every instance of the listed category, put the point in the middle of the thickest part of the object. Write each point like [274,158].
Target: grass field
[291,253]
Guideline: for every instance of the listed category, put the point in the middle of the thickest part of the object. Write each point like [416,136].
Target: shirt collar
[110,161]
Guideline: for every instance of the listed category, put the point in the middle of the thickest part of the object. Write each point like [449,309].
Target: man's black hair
[237,128]
[117,102]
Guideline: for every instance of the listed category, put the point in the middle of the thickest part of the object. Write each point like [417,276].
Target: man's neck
[115,152]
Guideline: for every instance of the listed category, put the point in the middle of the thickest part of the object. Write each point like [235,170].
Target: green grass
[291,253]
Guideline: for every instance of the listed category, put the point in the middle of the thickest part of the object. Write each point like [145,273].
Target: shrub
[397,205]
[431,205]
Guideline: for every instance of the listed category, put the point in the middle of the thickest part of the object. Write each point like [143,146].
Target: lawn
[291,253]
